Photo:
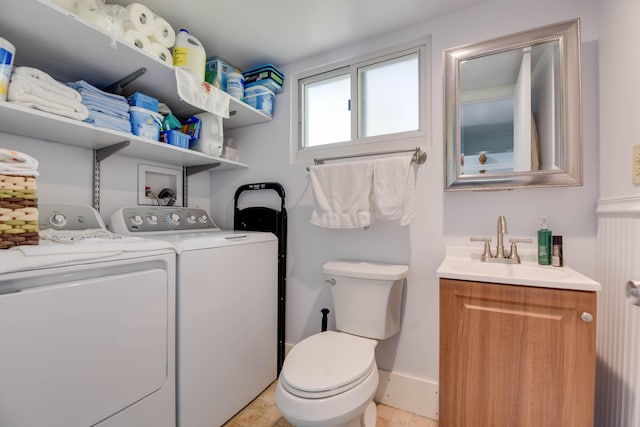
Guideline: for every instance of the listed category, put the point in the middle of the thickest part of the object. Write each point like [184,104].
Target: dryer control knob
[203,219]
[136,220]
[191,219]
[152,219]
[174,219]
[58,220]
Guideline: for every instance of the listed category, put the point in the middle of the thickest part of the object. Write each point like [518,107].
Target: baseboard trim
[410,394]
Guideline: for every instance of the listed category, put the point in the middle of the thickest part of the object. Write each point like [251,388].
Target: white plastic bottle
[189,54]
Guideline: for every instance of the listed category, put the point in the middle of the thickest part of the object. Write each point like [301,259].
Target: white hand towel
[342,195]
[394,189]
[202,94]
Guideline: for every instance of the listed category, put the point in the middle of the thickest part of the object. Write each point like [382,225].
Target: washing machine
[227,309]
[87,327]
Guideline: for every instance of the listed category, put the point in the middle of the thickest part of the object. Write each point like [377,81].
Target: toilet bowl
[329,379]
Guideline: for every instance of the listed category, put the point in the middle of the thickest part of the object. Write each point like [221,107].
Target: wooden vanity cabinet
[516,356]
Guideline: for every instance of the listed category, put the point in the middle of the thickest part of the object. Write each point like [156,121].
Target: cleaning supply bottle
[7,53]
[557,259]
[544,243]
[189,54]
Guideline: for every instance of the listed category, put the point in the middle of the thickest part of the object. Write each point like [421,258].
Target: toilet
[330,378]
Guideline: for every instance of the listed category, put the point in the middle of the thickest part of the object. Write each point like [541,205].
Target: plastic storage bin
[141,100]
[173,137]
[266,75]
[261,98]
[145,123]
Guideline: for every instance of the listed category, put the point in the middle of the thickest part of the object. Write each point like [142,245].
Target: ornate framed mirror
[513,111]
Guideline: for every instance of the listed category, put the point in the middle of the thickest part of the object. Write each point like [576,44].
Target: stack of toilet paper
[134,24]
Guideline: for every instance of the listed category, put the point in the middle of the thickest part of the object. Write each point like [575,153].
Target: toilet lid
[327,363]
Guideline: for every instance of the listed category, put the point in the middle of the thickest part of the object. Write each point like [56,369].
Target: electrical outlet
[635,167]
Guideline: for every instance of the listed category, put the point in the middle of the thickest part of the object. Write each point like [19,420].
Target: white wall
[442,218]
[618,379]
[619,95]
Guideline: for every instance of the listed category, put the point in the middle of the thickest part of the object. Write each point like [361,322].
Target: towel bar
[419,156]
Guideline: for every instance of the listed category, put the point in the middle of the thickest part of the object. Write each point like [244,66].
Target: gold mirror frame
[568,36]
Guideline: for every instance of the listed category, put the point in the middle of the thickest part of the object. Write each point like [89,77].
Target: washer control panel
[149,219]
[68,217]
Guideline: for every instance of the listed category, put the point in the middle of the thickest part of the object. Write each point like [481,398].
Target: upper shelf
[61,44]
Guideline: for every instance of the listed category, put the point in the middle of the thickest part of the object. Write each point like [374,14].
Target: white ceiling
[250,32]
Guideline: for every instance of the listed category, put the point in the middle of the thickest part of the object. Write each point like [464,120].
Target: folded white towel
[46,82]
[34,90]
[394,189]
[342,194]
[17,163]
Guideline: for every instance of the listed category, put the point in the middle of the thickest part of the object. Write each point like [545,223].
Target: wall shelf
[36,124]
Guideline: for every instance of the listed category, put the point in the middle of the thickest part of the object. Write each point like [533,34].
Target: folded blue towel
[82,86]
[106,108]
[108,121]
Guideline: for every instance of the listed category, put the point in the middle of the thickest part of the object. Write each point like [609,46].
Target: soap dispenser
[544,243]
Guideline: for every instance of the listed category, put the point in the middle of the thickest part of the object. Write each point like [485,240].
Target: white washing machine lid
[327,364]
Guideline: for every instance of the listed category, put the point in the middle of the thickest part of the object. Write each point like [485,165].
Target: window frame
[362,145]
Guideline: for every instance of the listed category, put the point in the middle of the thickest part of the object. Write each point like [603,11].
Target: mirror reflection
[513,110]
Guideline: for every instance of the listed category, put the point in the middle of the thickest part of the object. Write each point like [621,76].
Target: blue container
[173,137]
[260,97]
[266,75]
[143,101]
[145,123]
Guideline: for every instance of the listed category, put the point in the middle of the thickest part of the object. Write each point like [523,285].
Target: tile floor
[263,412]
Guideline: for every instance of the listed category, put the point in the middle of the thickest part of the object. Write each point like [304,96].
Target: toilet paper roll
[140,18]
[160,52]
[163,33]
[137,39]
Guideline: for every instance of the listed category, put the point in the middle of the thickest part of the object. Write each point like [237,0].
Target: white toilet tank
[366,297]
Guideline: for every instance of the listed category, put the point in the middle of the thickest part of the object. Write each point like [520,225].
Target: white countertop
[464,264]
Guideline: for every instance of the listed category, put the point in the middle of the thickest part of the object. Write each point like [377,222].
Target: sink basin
[526,274]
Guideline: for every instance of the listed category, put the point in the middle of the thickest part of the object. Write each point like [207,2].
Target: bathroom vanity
[517,345]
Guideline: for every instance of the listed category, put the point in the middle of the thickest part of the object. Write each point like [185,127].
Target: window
[375,99]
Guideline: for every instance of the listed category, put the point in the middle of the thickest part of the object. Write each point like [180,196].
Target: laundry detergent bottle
[189,54]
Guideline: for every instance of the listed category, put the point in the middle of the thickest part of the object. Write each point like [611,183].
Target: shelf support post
[98,156]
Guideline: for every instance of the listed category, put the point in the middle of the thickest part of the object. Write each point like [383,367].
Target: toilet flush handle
[331,281]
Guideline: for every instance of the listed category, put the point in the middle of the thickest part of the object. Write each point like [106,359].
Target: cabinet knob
[586,317]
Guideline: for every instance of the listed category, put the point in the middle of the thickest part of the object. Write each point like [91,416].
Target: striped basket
[18,211]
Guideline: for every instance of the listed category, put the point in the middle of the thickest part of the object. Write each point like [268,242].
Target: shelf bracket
[106,152]
[187,171]
[118,86]
[98,156]
[192,170]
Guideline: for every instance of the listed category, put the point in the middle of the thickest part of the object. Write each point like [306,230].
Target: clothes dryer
[87,327]
[227,287]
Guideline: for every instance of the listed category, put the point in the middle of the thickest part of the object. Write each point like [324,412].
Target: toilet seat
[327,364]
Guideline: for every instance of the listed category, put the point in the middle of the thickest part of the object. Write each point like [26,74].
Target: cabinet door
[515,356]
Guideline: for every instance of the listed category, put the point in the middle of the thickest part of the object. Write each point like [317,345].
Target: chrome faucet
[502,230]
[487,255]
